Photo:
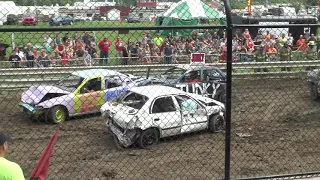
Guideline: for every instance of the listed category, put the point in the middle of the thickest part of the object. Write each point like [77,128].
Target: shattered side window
[134,100]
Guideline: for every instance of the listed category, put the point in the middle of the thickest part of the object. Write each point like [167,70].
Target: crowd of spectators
[86,50]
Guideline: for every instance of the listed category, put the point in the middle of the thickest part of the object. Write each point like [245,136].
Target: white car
[145,114]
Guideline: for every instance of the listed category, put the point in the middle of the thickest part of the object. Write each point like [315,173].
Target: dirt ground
[275,129]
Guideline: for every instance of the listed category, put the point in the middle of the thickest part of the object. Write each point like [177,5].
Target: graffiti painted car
[208,81]
[143,115]
[313,79]
[81,92]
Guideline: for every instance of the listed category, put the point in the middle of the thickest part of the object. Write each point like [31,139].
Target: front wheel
[148,138]
[57,114]
[314,92]
[216,123]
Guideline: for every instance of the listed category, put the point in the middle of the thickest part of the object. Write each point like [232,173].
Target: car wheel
[223,98]
[57,114]
[314,92]
[148,138]
[216,123]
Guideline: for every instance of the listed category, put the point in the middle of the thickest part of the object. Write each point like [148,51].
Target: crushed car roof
[95,72]
[156,90]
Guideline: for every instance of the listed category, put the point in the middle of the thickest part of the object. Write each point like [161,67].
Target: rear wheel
[57,114]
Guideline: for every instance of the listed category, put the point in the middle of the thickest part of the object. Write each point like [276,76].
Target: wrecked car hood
[35,93]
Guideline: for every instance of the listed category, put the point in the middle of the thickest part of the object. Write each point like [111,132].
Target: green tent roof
[191,9]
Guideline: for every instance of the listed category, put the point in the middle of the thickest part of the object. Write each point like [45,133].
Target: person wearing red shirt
[104,47]
[119,44]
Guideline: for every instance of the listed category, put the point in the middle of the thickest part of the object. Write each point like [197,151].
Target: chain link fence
[139,90]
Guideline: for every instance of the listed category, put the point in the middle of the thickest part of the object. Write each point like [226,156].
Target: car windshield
[131,99]
[173,73]
[70,83]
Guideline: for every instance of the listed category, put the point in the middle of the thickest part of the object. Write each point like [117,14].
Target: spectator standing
[168,52]
[119,44]
[302,44]
[29,55]
[285,54]
[8,169]
[282,40]
[290,41]
[267,35]
[144,38]
[134,53]
[15,59]
[158,40]
[85,38]
[125,56]
[65,37]
[307,34]
[311,54]
[260,56]
[3,50]
[104,47]
[47,43]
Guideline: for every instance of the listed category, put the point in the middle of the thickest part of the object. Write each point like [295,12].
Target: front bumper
[30,109]
[125,137]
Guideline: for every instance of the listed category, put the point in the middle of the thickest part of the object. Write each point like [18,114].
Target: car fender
[66,100]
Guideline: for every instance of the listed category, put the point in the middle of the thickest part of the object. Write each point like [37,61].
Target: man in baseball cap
[8,169]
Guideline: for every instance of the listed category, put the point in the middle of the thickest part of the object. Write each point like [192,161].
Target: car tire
[314,92]
[216,123]
[223,98]
[57,114]
[148,138]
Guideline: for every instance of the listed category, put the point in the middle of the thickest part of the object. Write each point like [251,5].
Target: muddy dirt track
[276,129]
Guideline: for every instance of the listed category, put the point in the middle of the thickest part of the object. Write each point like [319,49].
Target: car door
[165,115]
[114,86]
[214,83]
[89,96]
[193,114]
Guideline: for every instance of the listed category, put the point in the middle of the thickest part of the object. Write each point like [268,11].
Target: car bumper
[31,110]
[125,137]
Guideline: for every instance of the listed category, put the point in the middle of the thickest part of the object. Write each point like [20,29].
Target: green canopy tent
[186,13]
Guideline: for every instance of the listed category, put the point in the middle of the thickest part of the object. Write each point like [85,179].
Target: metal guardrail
[11,78]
